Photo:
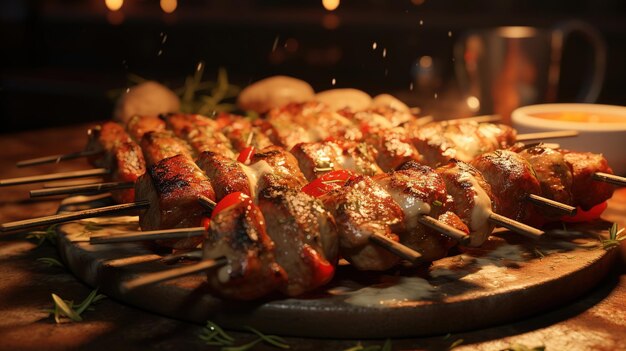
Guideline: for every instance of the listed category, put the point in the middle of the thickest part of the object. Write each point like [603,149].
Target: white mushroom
[146,99]
[337,99]
[272,92]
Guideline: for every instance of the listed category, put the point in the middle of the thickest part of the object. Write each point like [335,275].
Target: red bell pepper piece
[328,182]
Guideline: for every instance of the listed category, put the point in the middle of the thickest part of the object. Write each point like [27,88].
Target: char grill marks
[201,133]
[120,154]
[552,171]
[157,146]
[512,177]
[441,142]
[238,233]
[586,191]
[172,186]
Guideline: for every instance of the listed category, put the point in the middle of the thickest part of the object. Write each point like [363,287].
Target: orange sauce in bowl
[581,117]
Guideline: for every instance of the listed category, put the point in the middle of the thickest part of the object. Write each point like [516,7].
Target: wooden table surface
[596,321]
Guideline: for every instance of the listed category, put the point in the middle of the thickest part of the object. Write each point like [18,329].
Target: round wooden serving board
[507,279]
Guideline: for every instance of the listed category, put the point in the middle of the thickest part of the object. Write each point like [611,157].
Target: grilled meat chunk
[104,139]
[277,167]
[362,208]
[238,233]
[201,133]
[128,166]
[226,175]
[172,187]
[552,171]
[472,197]
[393,148]
[241,132]
[304,235]
[440,142]
[137,126]
[513,179]
[586,191]
[157,146]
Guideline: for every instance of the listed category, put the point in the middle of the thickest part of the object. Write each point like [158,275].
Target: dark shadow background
[61,57]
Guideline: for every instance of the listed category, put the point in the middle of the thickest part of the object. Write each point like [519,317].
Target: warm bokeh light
[426,61]
[169,6]
[330,5]
[473,103]
[114,5]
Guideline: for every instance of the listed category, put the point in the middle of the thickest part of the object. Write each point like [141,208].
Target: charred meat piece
[273,166]
[104,139]
[419,190]
[137,126]
[304,235]
[157,146]
[128,167]
[362,208]
[381,117]
[238,233]
[552,171]
[172,187]
[322,157]
[513,179]
[200,132]
[241,132]
[439,142]
[472,198]
[586,191]
[226,175]
[393,148]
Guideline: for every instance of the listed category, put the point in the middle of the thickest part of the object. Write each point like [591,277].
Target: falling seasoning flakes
[127,90]
[275,45]
[386,72]
[374,45]
[449,34]
[421,22]
[163,38]
[160,53]
[199,66]
[411,87]
[435,95]
[333,82]
[384,52]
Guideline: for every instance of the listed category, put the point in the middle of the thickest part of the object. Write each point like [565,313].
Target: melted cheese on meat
[254,173]
[466,146]
[410,205]
[479,221]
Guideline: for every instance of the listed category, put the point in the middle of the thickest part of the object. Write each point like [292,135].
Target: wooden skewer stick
[191,255]
[54,176]
[177,233]
[72,182]
[461,237]
[516,226]
[153,278]
[551,204]
[82,189]
[57,158]
[71,216]
[207,203]
[609,178]
[396,248]
[479,119]
[547,135]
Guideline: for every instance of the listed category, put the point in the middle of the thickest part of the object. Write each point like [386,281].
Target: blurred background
[63,61]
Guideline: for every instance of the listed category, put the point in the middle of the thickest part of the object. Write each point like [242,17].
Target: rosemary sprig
[65,309]
[214,335]
[359,347]
[273,340]
[456,343]
[49,235]
[50,262]
[614,239]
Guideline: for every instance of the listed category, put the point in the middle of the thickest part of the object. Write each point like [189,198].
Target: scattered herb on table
[65,310]
[49,235]
[359,347]
[214,335]
[538,253]
[51,262]
[614,239]
[456,343]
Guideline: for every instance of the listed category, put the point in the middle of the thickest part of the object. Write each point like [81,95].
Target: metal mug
[500,69]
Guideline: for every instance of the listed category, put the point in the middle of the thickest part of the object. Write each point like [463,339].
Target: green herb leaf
[455,344]
[66,308]
[243,347]
[214,335]
[521,347]
[51,262]
[273,340]
[49,235]
[615,238]
[437,203]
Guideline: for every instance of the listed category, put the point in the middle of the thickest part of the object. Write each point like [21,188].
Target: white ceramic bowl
[608,139]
